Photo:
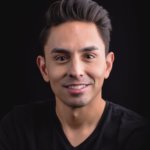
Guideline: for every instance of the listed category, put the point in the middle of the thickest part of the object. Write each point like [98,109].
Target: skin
[75,65]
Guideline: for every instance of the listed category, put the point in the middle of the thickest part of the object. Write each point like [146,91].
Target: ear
[109,63]
[40,61]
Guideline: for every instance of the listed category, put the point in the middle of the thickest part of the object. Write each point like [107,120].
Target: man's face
[75,63]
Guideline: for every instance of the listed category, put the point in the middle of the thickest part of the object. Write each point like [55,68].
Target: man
[75,62]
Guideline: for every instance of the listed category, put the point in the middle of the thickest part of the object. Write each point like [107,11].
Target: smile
[77,86]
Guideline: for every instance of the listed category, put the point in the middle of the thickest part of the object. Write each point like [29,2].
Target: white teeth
[77,87]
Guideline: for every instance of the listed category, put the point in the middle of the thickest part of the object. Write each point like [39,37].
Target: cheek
[97,70]
[98,76]
[55,73]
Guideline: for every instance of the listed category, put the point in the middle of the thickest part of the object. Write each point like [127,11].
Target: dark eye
[61,58]
[89,56]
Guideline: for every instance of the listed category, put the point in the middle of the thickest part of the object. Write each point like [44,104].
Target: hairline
[69,21]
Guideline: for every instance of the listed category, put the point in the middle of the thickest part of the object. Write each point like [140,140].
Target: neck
[79,123]
[86,116]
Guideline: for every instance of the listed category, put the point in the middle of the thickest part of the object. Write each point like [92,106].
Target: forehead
[74,34]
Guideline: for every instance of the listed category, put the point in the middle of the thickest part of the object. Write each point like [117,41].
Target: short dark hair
[62,11]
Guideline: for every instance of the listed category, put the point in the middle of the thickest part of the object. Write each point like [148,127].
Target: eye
[61,58]
[89,56]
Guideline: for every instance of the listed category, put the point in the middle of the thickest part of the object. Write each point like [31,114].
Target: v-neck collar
[61,133]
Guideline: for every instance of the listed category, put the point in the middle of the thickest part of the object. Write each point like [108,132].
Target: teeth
[77,87]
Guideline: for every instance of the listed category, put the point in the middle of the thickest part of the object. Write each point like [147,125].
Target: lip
[76,88]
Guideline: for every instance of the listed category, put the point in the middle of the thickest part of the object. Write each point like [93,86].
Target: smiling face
[75,63]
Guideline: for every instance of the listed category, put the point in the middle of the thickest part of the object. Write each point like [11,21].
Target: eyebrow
[89,48]
[85,49]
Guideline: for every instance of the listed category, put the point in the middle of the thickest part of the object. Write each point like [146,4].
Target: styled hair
[62,11]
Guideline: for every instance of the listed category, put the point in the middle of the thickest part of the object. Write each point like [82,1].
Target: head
[76,59]
[62,11]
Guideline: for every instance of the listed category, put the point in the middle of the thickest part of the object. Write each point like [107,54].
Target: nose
[76,69]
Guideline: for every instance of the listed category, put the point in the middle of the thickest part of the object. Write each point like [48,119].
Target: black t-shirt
[36,127]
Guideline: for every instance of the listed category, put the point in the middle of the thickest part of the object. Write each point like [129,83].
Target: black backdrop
[22,82]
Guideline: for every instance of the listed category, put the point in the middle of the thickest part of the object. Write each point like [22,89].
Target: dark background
[21,81]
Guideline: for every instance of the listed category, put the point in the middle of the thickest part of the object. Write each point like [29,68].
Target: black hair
[62,11]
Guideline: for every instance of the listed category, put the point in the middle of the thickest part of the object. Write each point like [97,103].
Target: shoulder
[123,119]
[128,120]
[125,114]
[26,113]
[132,128]
[23,121]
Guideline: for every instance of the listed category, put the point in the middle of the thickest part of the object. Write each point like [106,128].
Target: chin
[77,104]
